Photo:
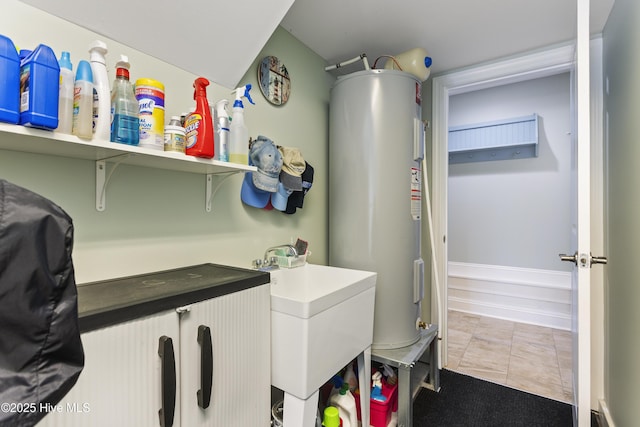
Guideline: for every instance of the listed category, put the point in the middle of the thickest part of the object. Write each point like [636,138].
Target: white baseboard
[540,297]
[604,414]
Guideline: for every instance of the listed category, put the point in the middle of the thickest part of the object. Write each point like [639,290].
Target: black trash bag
[41,354]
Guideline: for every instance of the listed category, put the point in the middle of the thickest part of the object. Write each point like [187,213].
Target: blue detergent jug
[39,88]
[9,81]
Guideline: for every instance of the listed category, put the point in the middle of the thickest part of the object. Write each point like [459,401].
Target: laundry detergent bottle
[83,101]
[65,99]
[239,138]
[9,81]
[199,124]
[101,91]
[346,404]
[39,88]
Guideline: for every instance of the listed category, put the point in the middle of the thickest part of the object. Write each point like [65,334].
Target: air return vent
[515,138]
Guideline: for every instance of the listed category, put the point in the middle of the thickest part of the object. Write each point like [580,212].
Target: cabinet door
[121,383]
[240,360]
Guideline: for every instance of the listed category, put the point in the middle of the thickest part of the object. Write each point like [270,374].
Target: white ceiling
[456,33]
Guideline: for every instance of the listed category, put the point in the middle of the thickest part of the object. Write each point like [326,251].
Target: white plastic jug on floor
[346,404]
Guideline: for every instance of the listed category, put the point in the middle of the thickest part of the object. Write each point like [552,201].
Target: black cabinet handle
[206,366]
[168,372]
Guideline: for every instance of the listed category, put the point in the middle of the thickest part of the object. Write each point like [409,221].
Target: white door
[580,253]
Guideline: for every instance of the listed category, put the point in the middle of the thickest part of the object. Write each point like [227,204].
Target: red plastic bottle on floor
[199,124]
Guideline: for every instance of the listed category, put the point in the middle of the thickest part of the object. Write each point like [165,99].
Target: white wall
[514,212]
[155,219]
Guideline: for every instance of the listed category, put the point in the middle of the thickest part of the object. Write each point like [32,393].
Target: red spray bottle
[199,124]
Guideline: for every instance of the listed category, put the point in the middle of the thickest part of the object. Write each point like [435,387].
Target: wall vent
[515,138]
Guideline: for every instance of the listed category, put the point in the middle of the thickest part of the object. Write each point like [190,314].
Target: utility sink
[321,319]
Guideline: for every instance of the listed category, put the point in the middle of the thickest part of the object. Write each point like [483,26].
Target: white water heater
[375,153]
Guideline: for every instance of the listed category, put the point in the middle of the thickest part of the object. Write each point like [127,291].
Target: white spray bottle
[101,91]
[239,138]
[222,130]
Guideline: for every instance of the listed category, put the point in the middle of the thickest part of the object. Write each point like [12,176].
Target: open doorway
[509,296]
[534,65]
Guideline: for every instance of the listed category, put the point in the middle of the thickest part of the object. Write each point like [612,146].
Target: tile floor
[526,357]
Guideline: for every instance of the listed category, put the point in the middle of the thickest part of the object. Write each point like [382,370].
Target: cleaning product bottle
[376,388]
[10,78]
[174,135]
[39,88]
[65,100]
[337,382]
[222,130]
[346,404]
[101,91]
[199,125]
[125,124]
[239,138]
[350,378]
[83,101]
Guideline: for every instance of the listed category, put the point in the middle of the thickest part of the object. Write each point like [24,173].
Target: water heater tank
[375,152]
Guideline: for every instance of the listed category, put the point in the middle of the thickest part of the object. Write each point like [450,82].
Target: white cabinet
[241,341]
[124,382]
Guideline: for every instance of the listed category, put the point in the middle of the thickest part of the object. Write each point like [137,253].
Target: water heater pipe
[350,61]
[433,251]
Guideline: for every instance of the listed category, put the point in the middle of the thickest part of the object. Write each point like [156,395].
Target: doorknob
[598,260]
[569,258]
[584,259]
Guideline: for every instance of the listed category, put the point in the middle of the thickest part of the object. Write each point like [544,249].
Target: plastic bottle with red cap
[125,123]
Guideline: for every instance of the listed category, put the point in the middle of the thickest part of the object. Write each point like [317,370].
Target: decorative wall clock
[274,81]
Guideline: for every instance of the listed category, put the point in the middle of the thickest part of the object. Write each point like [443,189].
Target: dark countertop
[113,301]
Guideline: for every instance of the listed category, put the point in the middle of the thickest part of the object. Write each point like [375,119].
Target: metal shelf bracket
[103,177]
[102,180]
[211,189]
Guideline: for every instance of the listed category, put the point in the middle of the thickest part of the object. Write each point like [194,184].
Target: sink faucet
[270,262]
[291,251]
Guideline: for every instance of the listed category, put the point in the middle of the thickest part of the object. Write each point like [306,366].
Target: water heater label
[416,194]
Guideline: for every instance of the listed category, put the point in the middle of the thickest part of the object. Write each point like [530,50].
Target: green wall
[622,291]
[156,219]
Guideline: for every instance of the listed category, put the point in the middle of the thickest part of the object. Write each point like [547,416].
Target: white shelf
[30,140]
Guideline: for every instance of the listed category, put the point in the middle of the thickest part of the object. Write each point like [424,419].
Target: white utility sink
[321,319]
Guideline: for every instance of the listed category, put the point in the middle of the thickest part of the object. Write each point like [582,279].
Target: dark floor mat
[464,401]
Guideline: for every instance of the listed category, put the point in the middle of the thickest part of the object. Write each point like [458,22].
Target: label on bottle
[174,139]
[191,126]
[96,107]
[25,77]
